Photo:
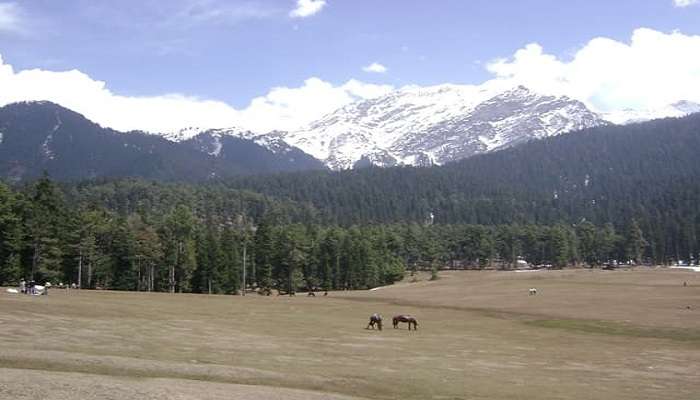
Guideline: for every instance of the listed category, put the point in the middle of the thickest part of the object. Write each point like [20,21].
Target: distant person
[23,286]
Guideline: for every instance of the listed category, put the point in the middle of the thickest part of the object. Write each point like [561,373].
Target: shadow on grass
[619,329]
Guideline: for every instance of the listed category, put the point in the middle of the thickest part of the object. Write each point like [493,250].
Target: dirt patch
[32,385]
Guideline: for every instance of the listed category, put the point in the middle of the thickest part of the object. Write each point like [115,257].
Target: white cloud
[307,8]
[653,70]
[685,3]
[10,18]
[286,108]
[79,92]
[282,108]
[376,68]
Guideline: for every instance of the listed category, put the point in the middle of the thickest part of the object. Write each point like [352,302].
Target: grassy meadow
[587,334]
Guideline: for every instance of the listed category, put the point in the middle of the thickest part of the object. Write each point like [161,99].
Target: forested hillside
[649,172]
[605,174]
[134,235]
[42,136]
[614,193]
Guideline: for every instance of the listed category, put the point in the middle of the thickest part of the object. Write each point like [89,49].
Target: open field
[586,335]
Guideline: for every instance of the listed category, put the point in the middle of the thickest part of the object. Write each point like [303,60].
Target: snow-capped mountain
[675,110]
[435,125]
[268,152]
[210,141]
[432,125]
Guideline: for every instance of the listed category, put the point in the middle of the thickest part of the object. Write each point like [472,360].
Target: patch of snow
[696,269]
[491,143]
[675,110]
[378,288]
[46,147]
[216,151]
[183,134]
[58,124]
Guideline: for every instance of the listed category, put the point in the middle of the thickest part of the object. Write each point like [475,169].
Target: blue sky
[235,51]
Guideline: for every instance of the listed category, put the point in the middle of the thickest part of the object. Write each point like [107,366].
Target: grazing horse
[533,291]
[375,319]
[406,318]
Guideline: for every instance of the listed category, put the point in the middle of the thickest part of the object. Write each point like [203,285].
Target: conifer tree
[10,237]
[635,242]
[43,222]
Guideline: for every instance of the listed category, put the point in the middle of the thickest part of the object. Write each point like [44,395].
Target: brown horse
[375,319]
[406,318]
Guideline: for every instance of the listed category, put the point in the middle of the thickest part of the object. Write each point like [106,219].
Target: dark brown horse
[375,319]
[406,318]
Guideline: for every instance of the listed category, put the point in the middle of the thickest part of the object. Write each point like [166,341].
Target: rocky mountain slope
[436,125]
[439,124]
[428,125]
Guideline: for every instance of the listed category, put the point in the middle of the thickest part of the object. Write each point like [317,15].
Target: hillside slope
[42,136]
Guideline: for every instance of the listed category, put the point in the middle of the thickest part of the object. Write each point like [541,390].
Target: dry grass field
[585,335]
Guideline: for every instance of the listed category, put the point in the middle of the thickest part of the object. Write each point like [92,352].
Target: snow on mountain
[369,128]
[182,134]
[192,131]
[675,110]
[438,124]
[432,125]
[210,141]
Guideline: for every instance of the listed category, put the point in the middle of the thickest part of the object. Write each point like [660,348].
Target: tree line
[44,237]
[136,235]
[620,193]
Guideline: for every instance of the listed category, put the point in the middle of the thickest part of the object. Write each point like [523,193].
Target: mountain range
[43,136]
[435,125]
[418,126]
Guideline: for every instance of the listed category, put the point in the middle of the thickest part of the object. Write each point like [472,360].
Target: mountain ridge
[44,136]
[431,125]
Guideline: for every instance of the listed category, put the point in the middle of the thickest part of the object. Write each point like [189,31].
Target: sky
[279,64]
